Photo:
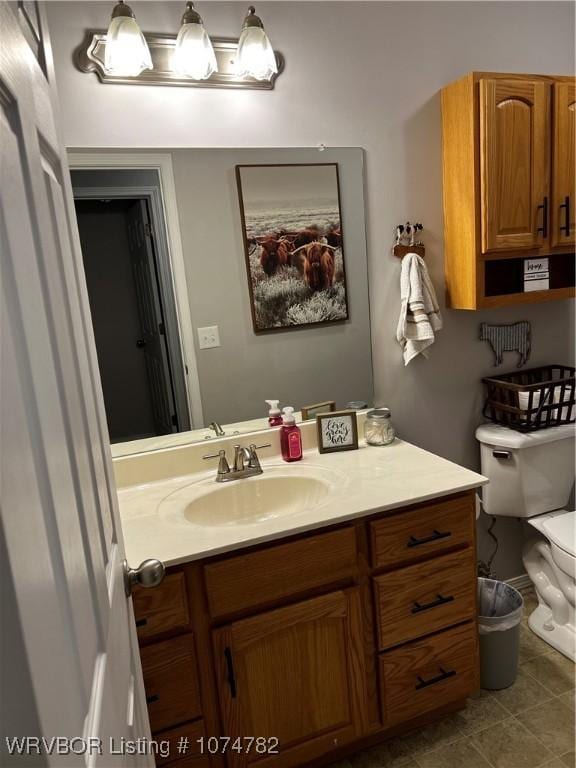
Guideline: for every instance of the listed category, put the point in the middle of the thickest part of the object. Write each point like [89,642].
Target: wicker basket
[531,400]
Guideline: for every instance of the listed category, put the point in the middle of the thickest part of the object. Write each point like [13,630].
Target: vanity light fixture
[127,53]
[190,59]
[255,54]
[194,55]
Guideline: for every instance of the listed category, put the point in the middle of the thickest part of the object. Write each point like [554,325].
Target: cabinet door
[295,675]
[563,227]
[515,164]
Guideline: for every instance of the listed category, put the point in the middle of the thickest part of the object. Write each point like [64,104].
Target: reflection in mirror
[219,279]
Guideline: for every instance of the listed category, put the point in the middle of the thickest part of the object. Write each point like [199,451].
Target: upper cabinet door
[515,164]
[563,227]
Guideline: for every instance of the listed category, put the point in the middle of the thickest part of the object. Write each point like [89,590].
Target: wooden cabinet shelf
[509,186]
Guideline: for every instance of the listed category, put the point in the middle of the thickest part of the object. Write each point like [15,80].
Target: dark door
[152,342]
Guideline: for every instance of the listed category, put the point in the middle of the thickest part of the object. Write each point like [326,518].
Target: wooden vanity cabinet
[508,170]
[316,645]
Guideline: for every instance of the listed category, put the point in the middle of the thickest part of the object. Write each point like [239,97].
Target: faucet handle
[254,462]
[223,466]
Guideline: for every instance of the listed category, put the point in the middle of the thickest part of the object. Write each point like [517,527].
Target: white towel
[420,315]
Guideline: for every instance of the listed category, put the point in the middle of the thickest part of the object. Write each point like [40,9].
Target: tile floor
[528,725]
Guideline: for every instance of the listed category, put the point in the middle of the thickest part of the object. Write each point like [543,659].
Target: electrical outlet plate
[208,337]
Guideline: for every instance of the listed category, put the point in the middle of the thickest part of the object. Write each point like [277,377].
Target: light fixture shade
[255,54]
[194,55]
[127,53]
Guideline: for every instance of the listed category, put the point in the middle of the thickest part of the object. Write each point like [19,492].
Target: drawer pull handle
[440,600]
[435,536]
[152,699]
[444,675]
[141,622]
[230,676]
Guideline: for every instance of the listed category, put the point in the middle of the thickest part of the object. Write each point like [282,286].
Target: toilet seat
[559,528]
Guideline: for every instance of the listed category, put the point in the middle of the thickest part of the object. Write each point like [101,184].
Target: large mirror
[222,278]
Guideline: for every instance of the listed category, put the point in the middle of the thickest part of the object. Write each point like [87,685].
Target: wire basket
[530,400]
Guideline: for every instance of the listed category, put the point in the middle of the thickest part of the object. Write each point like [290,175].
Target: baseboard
[520,582]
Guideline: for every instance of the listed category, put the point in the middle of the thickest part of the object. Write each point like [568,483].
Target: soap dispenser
[290,436]
[274,414]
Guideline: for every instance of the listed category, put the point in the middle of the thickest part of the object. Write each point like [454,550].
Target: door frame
[164,210]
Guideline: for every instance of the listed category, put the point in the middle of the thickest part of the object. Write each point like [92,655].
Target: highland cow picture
[293,244]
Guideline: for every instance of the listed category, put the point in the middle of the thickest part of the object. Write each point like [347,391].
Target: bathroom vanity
[296,638]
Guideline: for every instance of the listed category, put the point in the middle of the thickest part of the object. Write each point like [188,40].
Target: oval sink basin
[246,502]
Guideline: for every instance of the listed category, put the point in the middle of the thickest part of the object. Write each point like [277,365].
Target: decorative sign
[337,431]
[536,275]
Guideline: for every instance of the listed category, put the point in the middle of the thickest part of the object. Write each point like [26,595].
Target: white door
[60,523]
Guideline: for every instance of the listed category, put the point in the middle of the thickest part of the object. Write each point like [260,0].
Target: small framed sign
[337,431]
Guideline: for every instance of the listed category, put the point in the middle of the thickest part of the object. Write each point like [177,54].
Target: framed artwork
[292,229]
[311,411]
[337,431]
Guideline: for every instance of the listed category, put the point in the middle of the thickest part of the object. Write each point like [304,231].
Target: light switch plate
[208,337]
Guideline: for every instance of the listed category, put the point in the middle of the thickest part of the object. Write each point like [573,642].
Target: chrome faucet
[246,463]
[217,428]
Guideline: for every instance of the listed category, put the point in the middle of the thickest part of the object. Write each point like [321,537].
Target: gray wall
[298,366]
[357,74]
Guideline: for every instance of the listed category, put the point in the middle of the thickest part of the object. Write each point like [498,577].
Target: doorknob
[140,343]
[150,573]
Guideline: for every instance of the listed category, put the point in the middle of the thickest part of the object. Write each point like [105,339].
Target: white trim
[163,164]
[520,582]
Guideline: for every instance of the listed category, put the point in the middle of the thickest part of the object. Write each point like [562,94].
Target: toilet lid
[560,528]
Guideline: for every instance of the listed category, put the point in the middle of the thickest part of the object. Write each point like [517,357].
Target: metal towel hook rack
[407,240]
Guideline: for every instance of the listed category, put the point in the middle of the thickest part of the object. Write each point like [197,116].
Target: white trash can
[500,609]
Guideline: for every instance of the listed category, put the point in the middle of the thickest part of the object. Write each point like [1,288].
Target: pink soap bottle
[274,415]
[290,436]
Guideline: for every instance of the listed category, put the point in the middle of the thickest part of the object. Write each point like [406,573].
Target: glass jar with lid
[378,428]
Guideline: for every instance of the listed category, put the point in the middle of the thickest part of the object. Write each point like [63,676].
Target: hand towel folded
[420,315]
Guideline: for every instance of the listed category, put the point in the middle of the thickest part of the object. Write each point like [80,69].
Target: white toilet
[531,476]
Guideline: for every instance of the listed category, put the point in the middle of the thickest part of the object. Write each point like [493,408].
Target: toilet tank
[529,473]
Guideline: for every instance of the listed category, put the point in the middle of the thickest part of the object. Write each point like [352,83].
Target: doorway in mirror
[128,317]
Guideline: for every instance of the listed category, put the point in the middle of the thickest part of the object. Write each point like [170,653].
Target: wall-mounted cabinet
[509,188]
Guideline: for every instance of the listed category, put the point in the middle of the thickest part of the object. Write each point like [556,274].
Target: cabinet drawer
[427,674]
[257,578]
[171,682]
[163,608]
[193,758]
[425,530]
[423,598]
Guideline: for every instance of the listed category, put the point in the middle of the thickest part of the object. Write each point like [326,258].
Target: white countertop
[362,482]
